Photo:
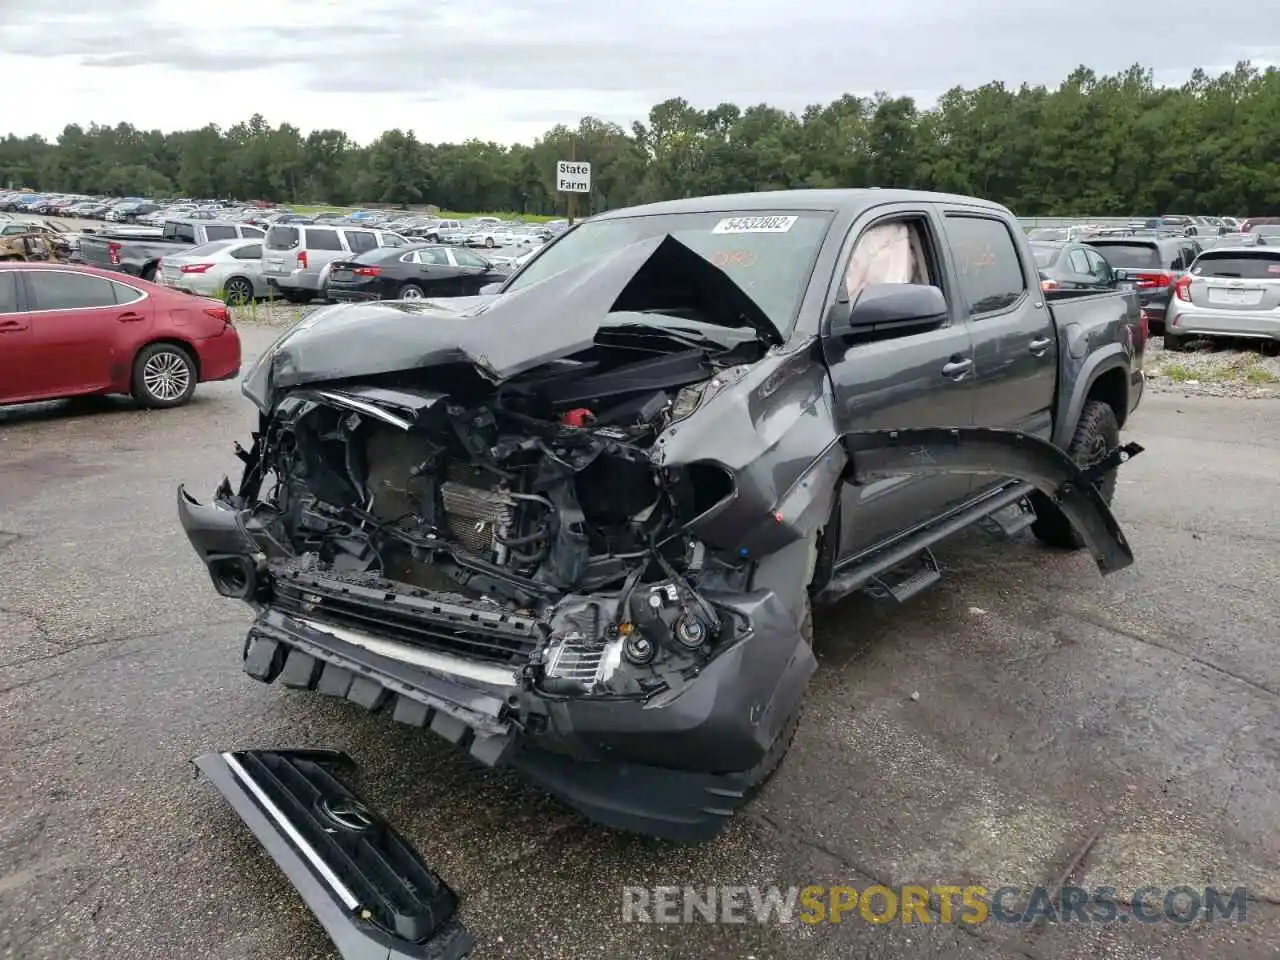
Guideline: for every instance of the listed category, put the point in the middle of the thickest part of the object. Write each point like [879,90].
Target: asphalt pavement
[1024,722]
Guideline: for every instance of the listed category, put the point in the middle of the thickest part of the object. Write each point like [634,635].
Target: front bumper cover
[371,891]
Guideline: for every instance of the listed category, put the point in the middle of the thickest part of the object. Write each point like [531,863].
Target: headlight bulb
[690,632]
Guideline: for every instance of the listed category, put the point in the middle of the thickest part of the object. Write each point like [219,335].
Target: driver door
[912,379]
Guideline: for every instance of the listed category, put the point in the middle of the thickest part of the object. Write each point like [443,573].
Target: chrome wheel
[166,376]
[238,292]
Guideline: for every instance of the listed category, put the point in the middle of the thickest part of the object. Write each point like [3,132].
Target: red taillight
[367,271]
[302,259]
[1153,281]
[1183,289]
[219,312]
[113,254]
[195,267]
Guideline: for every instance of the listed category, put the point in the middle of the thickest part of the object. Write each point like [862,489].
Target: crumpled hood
[502,335]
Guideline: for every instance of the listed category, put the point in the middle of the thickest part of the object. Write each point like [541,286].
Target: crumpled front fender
[1000,453]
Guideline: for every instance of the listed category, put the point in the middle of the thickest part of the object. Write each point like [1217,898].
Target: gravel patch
[273,313]
[1212,369]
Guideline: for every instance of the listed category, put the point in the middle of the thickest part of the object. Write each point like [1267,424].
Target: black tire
[298,297]
[164,375]
[410,291]
[149,273]
[1174,342]
[1097,434]
[237,292]
[488,242]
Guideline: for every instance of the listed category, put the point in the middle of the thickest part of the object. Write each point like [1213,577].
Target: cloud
[505,68]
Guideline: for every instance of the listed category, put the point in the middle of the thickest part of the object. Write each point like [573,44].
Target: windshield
[1239,265]
[769,254]
[1045,255]
[1130,254]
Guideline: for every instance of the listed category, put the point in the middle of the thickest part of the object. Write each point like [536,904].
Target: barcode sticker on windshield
[755,225]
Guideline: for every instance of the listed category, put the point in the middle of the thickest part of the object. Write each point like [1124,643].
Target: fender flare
[1111,357]
[999,453]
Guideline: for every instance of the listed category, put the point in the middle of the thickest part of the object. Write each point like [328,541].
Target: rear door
[471,272]
[1015,344]
[80,333]
[914,379]
[437,274]
[18,375]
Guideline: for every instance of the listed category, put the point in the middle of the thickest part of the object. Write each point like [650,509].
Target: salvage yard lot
[981,734]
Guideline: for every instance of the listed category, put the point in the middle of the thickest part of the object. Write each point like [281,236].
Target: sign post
[573,177]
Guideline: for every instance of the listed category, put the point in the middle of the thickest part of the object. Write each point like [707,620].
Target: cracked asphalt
[1121,731]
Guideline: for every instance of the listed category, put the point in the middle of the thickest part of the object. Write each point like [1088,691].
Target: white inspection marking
[755,225]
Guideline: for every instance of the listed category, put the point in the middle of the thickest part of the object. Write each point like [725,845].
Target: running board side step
[868,568]
[370,890]
[903,582]
[1007,522]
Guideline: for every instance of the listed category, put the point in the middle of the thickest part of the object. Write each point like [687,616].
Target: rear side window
[323,240]
[1239,266]
[250,251]
[220,232]
[1079,262]
[57,290]
[182,232]
[991,276]
[250,232]
[1131,255]
[125,293]
[282,238]
[361,241]
[8,291]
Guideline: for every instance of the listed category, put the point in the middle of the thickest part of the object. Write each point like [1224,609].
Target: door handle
[130,317]
[1039,346]
[957,369]
[12,325]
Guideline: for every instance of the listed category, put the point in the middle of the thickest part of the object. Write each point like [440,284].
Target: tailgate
[370,890]
[93,251]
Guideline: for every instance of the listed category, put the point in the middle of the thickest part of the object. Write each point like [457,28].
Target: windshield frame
[786,325]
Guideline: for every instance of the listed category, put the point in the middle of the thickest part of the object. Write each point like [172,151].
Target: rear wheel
[411,291]
[164,375]
[1097,434]
[488,242]
[298,296]
[1174,342]
[237,292]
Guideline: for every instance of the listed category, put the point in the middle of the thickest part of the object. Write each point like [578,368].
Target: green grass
[448,214]
[1250,370]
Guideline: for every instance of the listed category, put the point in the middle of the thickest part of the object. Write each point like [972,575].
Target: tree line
[1116,144]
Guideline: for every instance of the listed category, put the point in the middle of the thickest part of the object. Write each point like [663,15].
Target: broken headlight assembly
[650,637]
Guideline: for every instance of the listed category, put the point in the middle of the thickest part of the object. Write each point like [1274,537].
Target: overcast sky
[507,70]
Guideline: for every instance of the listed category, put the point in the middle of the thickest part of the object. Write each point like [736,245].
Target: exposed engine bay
[521,524]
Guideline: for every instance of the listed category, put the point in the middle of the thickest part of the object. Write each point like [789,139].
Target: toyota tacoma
[578,527]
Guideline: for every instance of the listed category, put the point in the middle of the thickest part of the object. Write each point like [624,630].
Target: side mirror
[885,307]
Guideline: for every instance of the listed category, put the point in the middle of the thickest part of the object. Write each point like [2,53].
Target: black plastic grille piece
[393,888]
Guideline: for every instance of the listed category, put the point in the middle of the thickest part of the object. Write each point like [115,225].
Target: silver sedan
[229,270]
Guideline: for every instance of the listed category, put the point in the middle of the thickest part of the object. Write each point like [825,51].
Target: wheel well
[174,342]
[1112,388]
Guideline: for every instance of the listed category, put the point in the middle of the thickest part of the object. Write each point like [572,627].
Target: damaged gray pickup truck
[578,527]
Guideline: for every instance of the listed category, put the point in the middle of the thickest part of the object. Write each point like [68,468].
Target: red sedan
[70,330]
